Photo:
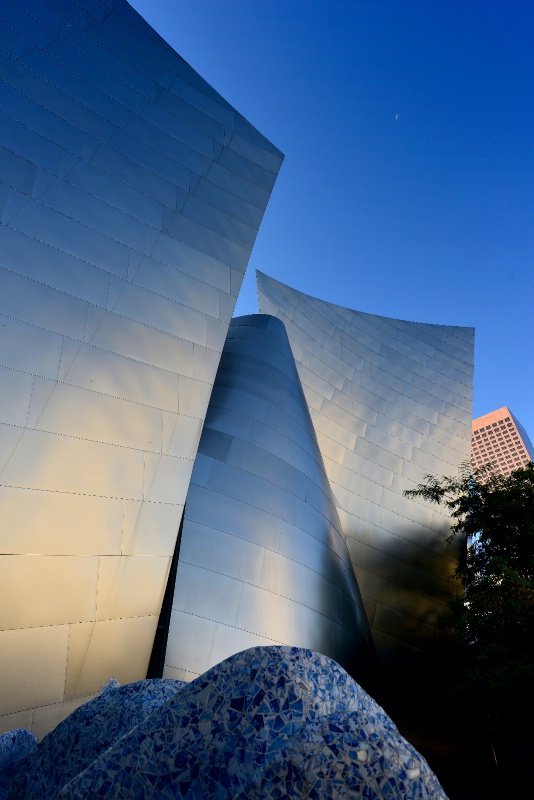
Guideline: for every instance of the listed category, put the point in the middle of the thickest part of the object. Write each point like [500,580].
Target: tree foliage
[492,623]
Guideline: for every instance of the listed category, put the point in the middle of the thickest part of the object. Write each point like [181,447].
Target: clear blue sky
[407,188]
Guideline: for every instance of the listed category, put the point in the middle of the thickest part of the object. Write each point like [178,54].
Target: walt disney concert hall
[176,485]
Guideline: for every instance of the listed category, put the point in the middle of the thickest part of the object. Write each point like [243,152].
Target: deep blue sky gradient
[428,216]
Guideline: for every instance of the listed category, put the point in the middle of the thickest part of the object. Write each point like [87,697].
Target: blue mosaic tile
[15,747]
[84,735]
[271,722]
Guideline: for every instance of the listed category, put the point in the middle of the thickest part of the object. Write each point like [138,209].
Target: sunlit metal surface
[262,558]
[390,401]
[130,197]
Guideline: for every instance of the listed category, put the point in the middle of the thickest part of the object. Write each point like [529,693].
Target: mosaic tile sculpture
[83,736]
[15,747]
[270,722]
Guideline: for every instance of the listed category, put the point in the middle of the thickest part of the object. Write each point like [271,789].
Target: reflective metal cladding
[390,401]
[130,199]
[262,558]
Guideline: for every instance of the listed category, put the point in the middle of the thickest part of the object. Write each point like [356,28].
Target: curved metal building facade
[262,558]
[131,194]
[390,401]
[130,197]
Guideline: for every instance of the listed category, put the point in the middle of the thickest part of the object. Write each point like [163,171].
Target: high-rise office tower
[498,438]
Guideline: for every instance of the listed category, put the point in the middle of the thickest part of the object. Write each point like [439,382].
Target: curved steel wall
[390,401]
[131,195]
[262,559]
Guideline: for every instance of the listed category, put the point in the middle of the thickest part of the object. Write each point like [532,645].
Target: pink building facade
[499,438]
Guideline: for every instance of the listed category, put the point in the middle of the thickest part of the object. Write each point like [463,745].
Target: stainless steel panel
[362,398]
[89,47]
[269,615]
[314,628]
[179,107]
[235,206]
[245,129]
[125,167]
[333,431]
[178,129]
[74,465]
[229,640]
[345,419]
[260,462]
[43,583]
[311,521]
[182,256]
[240,519]
[226,306]
[83,242]
[17,172]
[158,312]
[51,266]
[205,359]
[60,76]
[84,414]
[189,86]
[27,653]
[58,523]
[193,397]
[403,627]
[242,485]
[215,444]
[207,594]
[107,642]
[256,354]
[407,377]
[73,60]
[148,528]
[246,382]
[114,375]
[207,241]
[177,286]
[227,179]
[219,221]
[150,158]
[90,210]
[252,481]
[215,333]
[190,642]
[264,158]
[299,546]
[113,319]
[166,478]
[247,169]
[222,552]
[31,302]
[38,118]
[288,578]
[222,408]
[140,342]
[151,137]
[15,397]
[142,37]
[352,462]
[28,144]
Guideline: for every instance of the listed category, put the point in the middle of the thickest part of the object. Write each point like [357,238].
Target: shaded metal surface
[130,197]
[262,559]
[390,401]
